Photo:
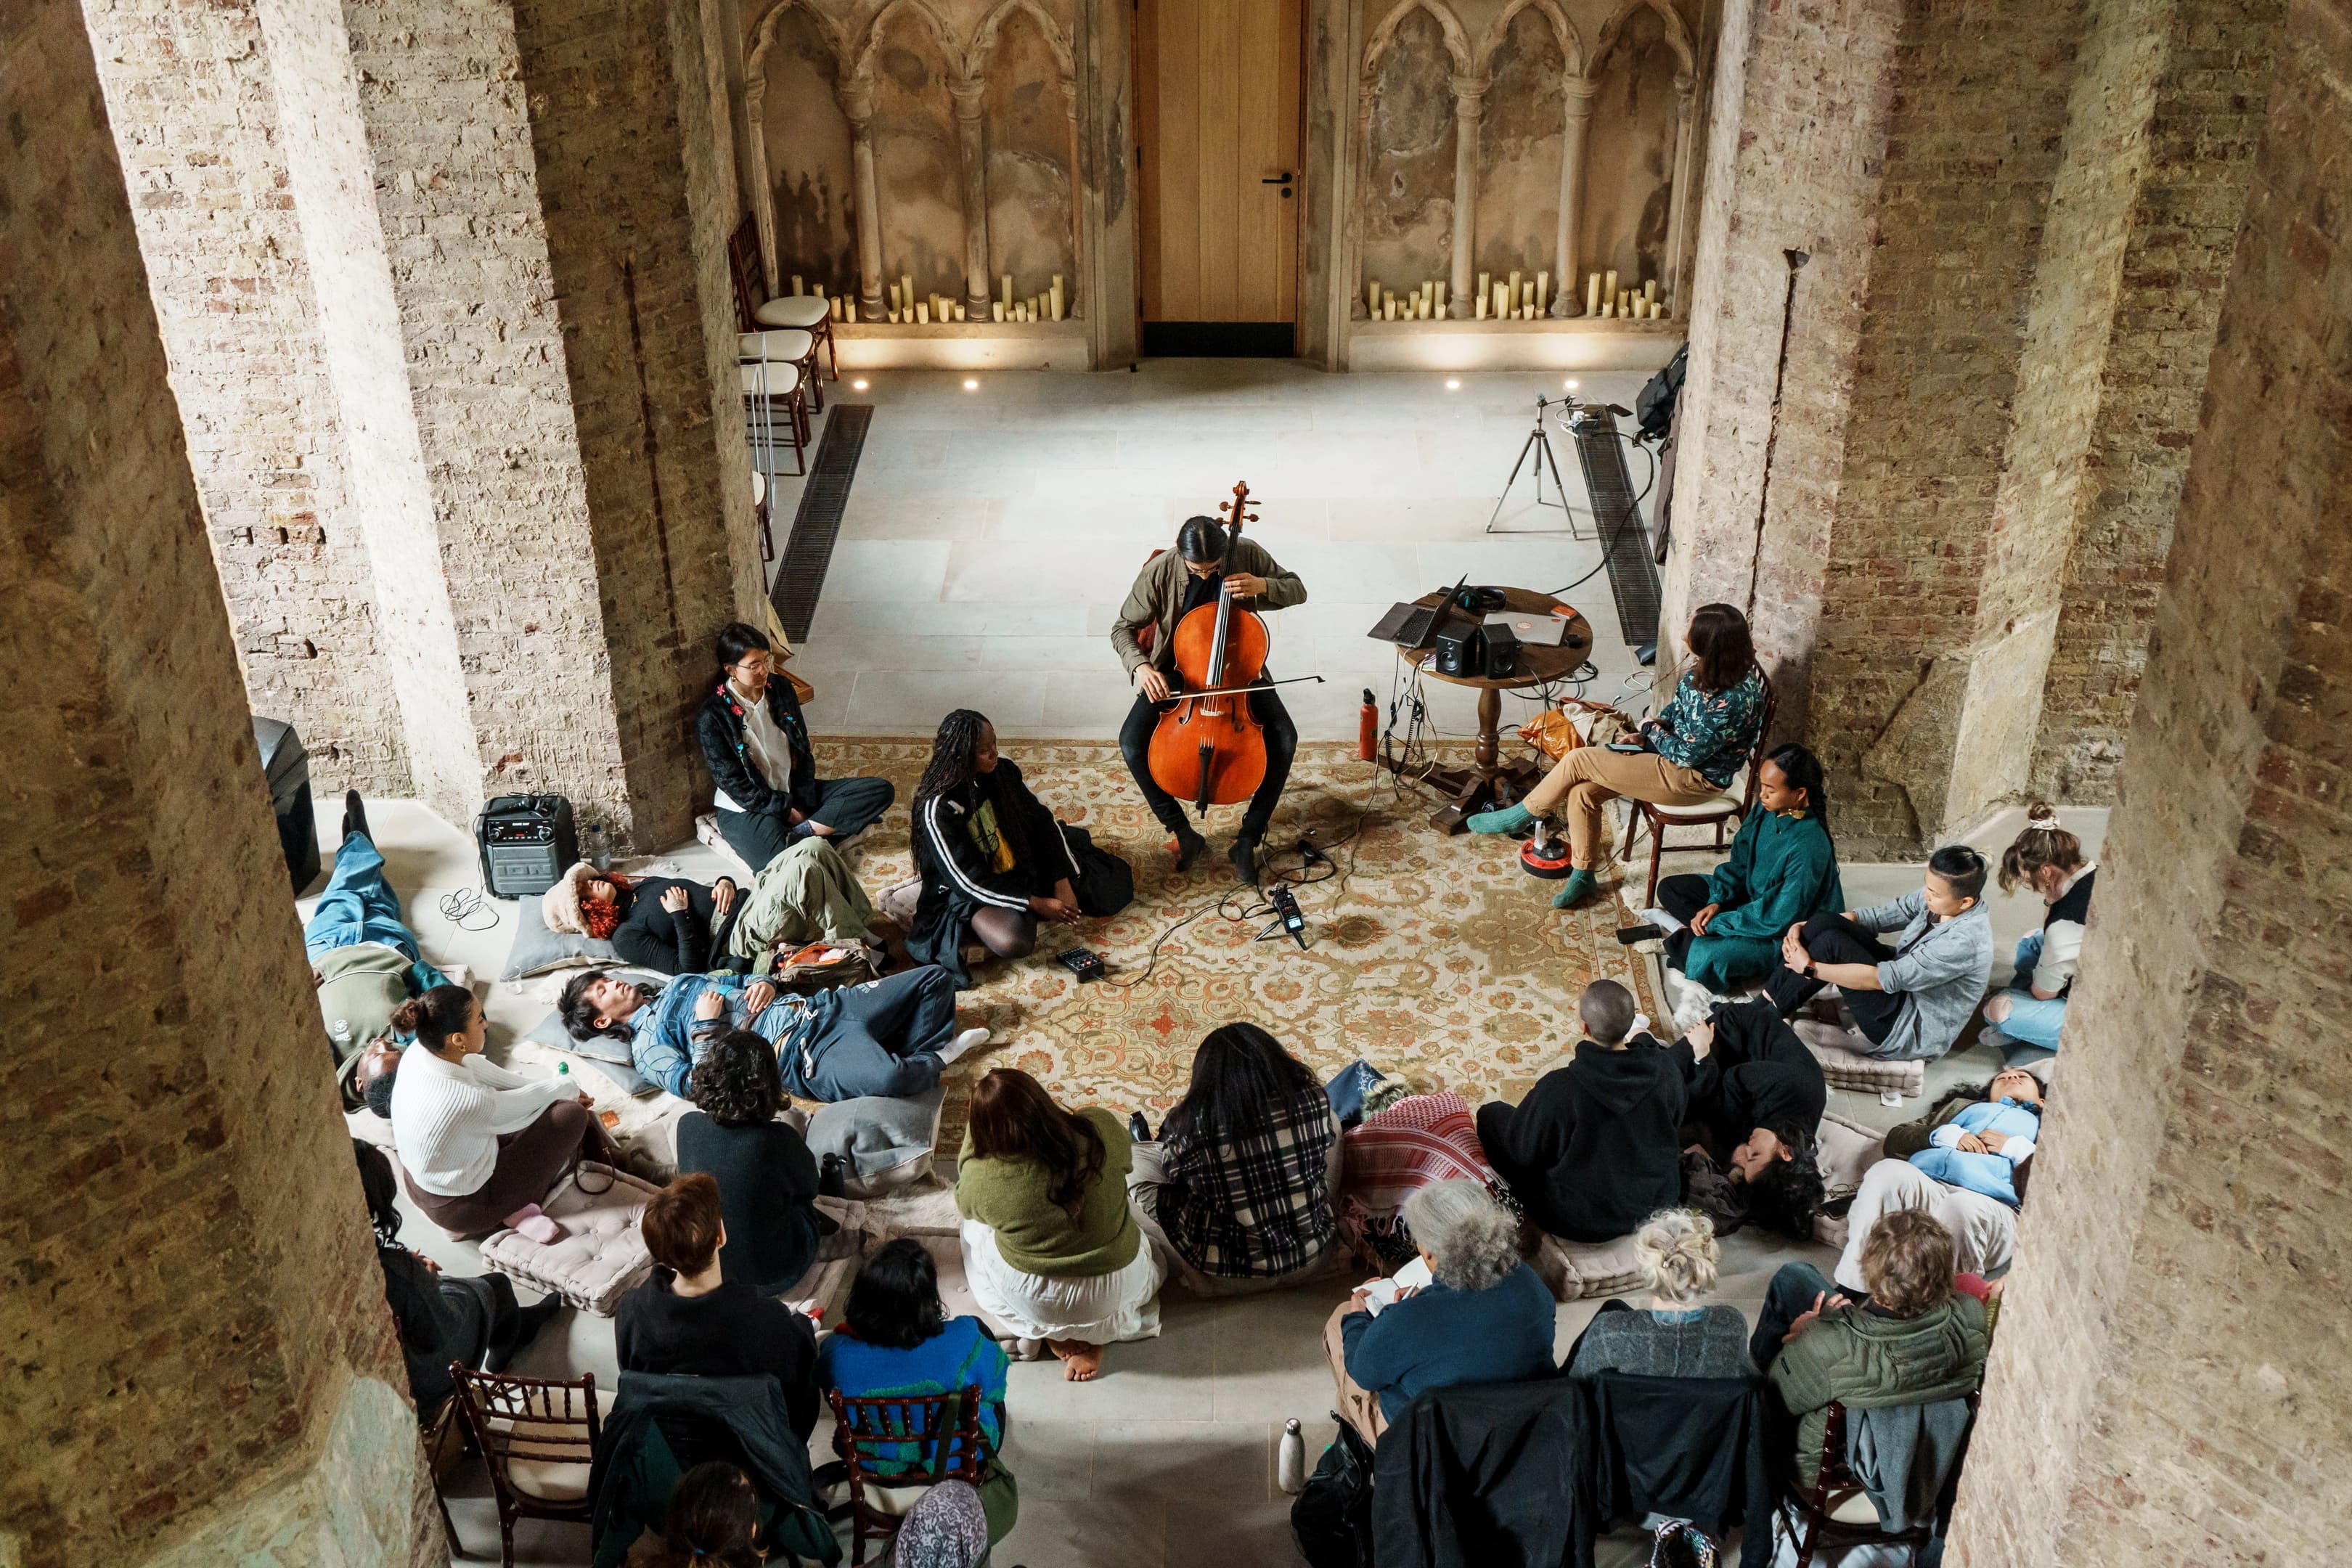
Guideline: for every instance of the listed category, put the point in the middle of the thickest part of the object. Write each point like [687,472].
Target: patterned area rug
[1433,957]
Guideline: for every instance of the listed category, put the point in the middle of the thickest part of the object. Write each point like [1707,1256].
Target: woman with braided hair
[993,858]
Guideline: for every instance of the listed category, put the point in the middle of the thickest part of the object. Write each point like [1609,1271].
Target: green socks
[1579,886]
[1510,819]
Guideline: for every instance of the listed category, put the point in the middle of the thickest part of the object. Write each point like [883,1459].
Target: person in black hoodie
[1594,1149]
[689,1319]
[756,744]
[993,858]
[1757,1096]
[768,1180]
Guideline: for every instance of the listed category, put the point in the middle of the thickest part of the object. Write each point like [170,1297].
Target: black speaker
[1457,649]
[527,841]
[1501,652]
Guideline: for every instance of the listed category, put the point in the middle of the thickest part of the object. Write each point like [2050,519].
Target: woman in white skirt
[1050,1247]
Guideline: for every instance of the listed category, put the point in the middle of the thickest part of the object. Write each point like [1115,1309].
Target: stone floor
[1375,487]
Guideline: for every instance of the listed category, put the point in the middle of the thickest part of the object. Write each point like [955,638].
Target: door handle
[1281,179]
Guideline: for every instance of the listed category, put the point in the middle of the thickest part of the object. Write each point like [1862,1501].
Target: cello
[1207,748]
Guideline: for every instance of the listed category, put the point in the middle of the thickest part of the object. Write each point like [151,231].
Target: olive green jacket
[1861,1360]
[1158,600]
[1037,1236]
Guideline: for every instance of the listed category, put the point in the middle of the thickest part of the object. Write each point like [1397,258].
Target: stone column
[1078,203]
[762,194]
[1679,198]
[1567,298]
[1469,105]
[970,95]
[857,104]
[193,1314]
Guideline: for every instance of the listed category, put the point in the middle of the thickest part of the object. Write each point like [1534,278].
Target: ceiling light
[970,386]
[858,384]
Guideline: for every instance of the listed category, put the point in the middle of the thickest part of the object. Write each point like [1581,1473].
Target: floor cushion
[1845,1150]
[600,1256]
[1846,1067]
[538,949]
[1576,1270]
[706,829]
[606,1052]
[886,1143]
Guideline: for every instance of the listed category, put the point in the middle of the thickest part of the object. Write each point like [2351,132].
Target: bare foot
[1081,1363]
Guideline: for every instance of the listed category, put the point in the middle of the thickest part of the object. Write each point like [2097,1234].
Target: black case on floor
[286,764]
[527,841]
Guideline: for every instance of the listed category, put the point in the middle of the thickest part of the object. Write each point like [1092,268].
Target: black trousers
[1281,745]
[847,805]
[1681,896]
[1833,939]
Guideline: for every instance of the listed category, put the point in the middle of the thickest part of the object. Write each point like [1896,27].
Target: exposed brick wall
[2209,106]
[2167,1386]
[190,95]
[186,1282]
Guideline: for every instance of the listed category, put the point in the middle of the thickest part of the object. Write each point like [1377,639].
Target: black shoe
[1244,854]
[528,1323]
[1189,846]
[1629,935]
[833,1181]
[355,815]
[1138,1128]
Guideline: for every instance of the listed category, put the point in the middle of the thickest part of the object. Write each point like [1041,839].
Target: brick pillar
[516,218]
[2164,1387]
[199,1363]
[190,96]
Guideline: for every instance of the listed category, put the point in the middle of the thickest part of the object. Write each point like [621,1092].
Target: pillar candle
[797,291]
[1650,290]
[1624,299]
[1441,309]
[1592,294]
[894,296]
[907,290]
[922,315]
[960,312]
[1609,307]
[996,310]
[1527,295]
[1387,304]
[1543,292]
[1058,296]
[1428,306]
[1371,297]
[1609,284]
[1482,285]
[1478,312]
[818,288]
[1008,293]
[1441,296]
[1037,307]
[894,315]
[1514,282]
[1506,296]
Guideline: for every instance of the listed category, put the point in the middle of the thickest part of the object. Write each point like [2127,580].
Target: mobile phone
[1631,748]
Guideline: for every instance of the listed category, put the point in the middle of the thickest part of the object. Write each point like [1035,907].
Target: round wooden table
[1489,782]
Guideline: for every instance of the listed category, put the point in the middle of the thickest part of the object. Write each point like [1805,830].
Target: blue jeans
[2032,1020]
[360,906]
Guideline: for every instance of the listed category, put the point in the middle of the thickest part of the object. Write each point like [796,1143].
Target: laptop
[1412,625]
[1532,629]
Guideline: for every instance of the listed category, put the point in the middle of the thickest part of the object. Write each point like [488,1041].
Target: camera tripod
[1538,446]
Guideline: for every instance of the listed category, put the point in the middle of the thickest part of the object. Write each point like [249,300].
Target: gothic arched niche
[1520,148]
[806,137]
[1408,231]
[917,166]
[1629,170]
[1031,213]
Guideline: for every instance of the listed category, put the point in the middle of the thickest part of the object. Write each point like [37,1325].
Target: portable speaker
[1501,650]
[527,841]
[1458,650]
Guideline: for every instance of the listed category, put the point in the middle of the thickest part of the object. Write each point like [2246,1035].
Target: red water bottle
[1368,722]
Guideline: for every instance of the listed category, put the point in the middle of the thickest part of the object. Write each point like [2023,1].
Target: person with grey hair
[1676,1251]
[1484,1317]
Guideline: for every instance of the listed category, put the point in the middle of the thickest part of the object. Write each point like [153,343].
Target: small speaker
[1502,650]
[527,843]
[1458,647]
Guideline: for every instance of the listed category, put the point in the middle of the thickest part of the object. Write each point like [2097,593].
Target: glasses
[753,666]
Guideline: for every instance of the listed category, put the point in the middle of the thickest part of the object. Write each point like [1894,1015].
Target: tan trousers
[1590,776]
[1356,1407]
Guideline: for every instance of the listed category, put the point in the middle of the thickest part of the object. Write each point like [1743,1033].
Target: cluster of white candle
[836,303]
[1604,297]
[1424,301]
[1044,307]
[1514,297]
[933,310]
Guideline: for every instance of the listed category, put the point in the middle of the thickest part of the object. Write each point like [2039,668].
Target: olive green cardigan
[1158,600]
[1037,1236]
[1861,1359]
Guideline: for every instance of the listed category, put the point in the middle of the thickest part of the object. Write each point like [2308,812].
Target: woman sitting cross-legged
[1239,1188]
[1485,1318]
[756,745]
[890,1037]
[473,1320]
[2049,859]
[768,1180]
[992,860]
[1676,1250]
[477,1142]
[897,1342]
[691,1319]
[1966,1162]
[1052,1249]
[1687,756]
[1782,871]
[1911,1000]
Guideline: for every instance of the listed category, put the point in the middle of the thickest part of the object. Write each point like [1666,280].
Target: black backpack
[1655,408]
[1332,1519]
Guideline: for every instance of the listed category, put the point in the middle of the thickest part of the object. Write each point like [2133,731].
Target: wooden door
[1217,100]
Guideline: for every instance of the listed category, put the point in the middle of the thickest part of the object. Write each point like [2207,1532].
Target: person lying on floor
[690,1319]
[1910,1000]
[472,1320]
[663,923]
[1909,1339]
[889,1037]
[1677,1255]
[1595,1148]
[807,894]
[1688,755]
[768,1180]
[1757,1097]
[476,1142]
[1240,1185]
[1782,871]
[1484,1317]
[756,745]
[2048,859]
[992,860]
[897,1342]
[365,960]
[1050,1246]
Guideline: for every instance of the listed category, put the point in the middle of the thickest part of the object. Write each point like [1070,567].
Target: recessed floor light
[1570,384]
[858,384]
[970,386]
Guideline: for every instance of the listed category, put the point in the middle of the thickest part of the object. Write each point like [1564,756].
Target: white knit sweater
[446,1121]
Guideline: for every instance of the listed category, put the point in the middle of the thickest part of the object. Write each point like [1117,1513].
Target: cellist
[1208,557]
